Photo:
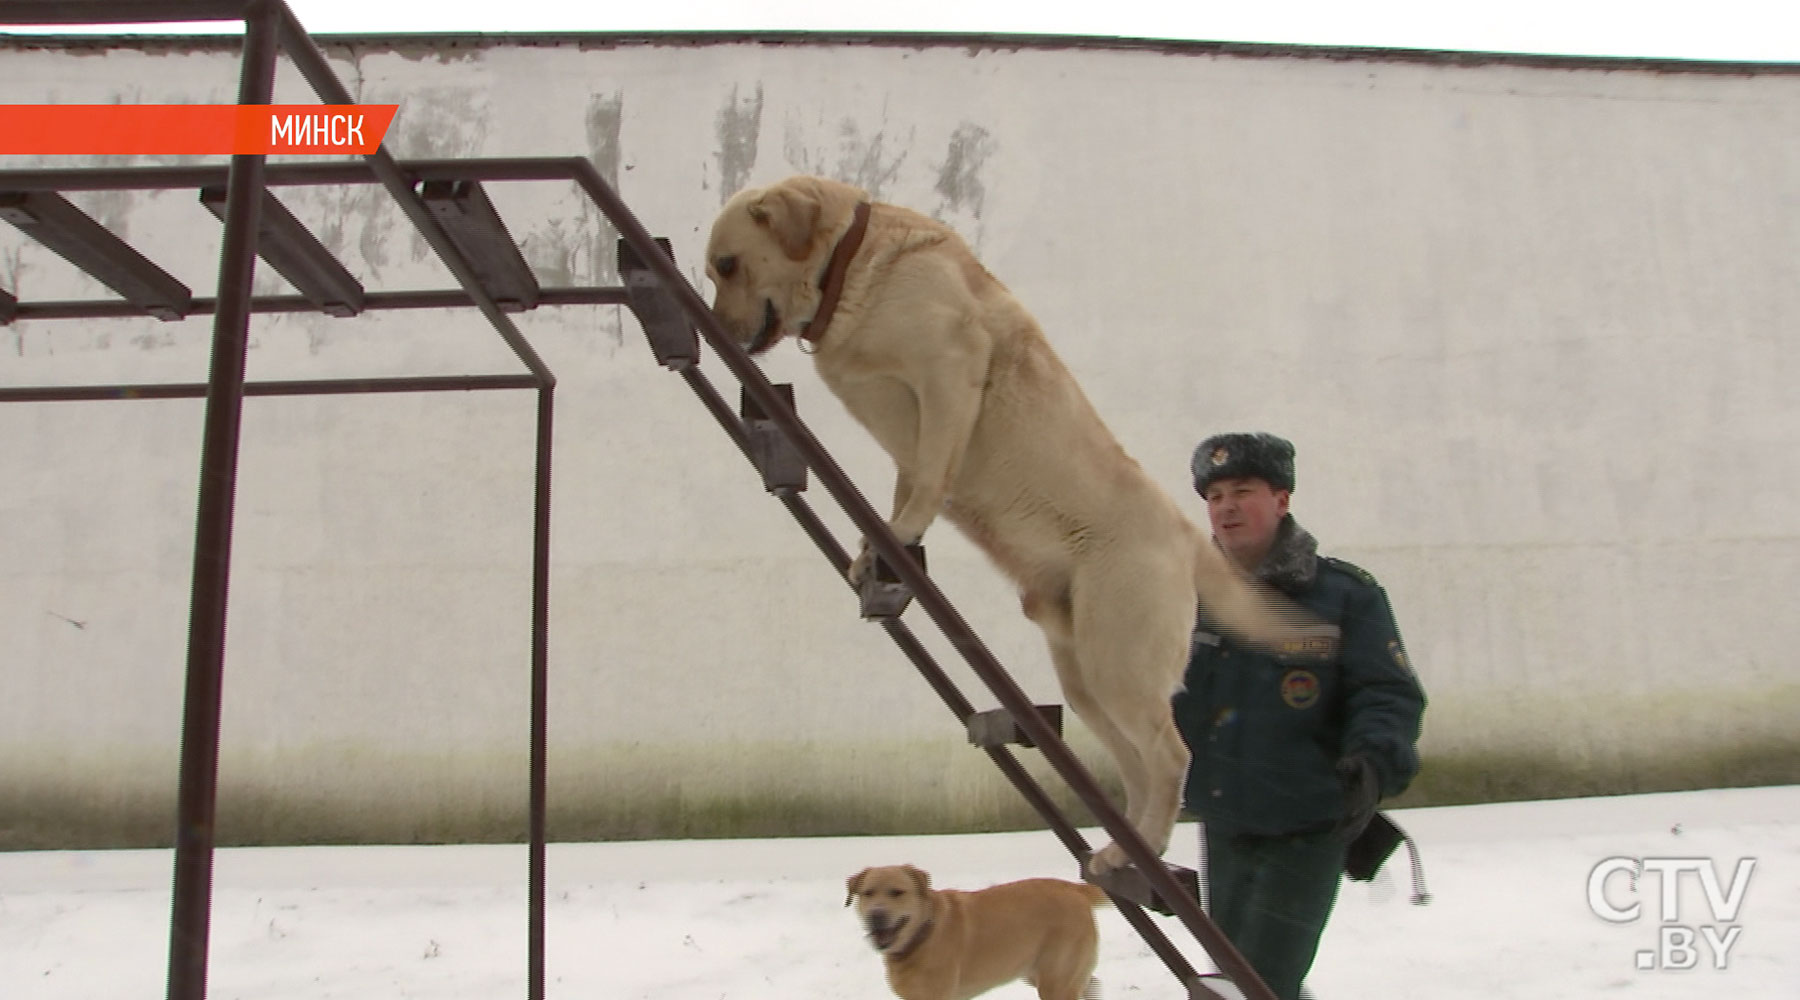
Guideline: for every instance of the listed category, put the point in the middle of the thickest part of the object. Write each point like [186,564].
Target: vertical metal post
[191,912]
[540,695]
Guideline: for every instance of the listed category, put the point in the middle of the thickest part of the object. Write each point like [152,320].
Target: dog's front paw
[1109,858]
[862,564]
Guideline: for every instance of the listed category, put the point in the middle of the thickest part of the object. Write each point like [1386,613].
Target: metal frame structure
[444,201]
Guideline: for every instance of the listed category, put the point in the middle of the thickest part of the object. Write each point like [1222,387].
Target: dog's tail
[1254,613]
[1092,990]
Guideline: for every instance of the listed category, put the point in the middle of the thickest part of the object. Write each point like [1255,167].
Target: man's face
[1245,512]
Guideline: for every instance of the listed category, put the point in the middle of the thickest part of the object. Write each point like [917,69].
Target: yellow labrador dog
[943,944]
[955,380]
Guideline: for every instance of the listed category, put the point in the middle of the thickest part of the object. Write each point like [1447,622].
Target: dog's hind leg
[1080,987]
[1053,613]
[1065,971]
[1091,710]
[1132,618]
[1154,797]
[1094,713]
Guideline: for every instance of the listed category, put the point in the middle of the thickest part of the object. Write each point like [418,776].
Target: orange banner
[192,129]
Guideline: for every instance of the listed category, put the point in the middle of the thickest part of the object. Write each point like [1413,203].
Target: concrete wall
[1531,325]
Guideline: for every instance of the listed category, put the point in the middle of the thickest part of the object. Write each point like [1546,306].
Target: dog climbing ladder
[771,435]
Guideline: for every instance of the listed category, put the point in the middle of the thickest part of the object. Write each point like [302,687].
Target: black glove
[1362,790]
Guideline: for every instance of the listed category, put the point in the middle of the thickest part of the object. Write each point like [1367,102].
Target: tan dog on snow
[943,944]
[954,379]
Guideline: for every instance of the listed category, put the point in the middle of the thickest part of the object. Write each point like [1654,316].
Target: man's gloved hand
[1362,790]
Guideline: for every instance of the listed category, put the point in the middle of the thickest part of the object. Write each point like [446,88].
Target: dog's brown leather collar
[831,286]
[913,945]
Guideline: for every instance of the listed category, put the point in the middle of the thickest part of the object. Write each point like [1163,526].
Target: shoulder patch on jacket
[1354,570]
[1398,652]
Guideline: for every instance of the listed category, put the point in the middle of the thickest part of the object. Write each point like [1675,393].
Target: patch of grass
[787,791]
[1497,776]
[821,812]
[31,820]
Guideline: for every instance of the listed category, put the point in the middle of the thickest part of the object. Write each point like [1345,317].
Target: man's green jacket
[1267,727]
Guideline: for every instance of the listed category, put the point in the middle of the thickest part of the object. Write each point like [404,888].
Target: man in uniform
[1292,746]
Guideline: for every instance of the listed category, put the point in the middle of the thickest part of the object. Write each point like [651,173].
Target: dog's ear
[790,212]
[921,879]
[854,884]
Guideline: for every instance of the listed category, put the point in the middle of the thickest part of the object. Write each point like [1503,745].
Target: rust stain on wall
[739,128]
[605,123]
[578,248]
[447,122]
[869,162]
[961,184]
[959,179]
[11,265]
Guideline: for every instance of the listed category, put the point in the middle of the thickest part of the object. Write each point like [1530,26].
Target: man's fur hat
[1229,456]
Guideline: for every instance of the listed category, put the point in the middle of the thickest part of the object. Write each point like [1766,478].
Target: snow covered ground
[742,920]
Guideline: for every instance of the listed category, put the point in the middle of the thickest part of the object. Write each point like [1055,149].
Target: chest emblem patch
[1300,688]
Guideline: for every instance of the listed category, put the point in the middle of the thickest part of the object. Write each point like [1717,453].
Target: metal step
[880,591]
[782,466]
[996,727]
[1130,883]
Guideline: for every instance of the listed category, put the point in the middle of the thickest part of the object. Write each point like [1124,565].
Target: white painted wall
[1532,328]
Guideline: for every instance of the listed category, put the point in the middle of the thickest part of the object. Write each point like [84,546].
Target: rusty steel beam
[54,222]
[196,808]
[538,766]
[472,224]
[157,178]
[583,295]
[296,254]
[294,387]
